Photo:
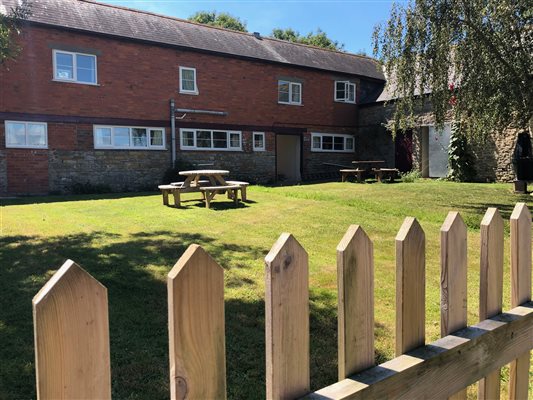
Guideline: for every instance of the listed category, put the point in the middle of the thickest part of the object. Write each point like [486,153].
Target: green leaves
[10,26]
[483,47]
[318,39]
[223,20]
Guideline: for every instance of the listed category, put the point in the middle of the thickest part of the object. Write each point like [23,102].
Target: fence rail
[72,330]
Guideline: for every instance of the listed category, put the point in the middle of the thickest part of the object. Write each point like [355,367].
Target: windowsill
[344,102]
[196,93]
[208,149]
[76,82]
[332,151]
[12,146]
[132,148]
[290,104]
[259,150]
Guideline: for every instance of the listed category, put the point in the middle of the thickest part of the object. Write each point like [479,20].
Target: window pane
[139,137]
[203,139]
[316,142]
[351,92]
[220,140]
[121,137]
[349,143]
[156,137]
[187,138]
[16,134]
[327,142]
[283,91]
[103,136]
[64,66]
[86,68]
[188,79]
[259,141]
[338,143]
[36,135]
[296,93]
[235,140]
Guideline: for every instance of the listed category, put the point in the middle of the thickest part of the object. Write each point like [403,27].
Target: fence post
[196,327]
[71,329]
[410,286]
[287,320]
[453,279]
[491,287]
[355,274]
[520,290]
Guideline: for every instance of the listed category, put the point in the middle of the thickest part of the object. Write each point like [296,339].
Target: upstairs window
[74,67]
[188,80]
[26,134]
[345,91]
[327,142]
[289,92]
[133,138]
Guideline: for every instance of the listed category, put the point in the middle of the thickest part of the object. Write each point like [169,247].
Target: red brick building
[107,96]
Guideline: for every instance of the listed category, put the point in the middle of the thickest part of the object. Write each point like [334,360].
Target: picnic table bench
[357,173]
[384,173]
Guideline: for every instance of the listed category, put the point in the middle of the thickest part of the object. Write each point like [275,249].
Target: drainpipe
[173,130]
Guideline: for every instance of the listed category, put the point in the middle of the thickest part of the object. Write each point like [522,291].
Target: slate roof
[91,16]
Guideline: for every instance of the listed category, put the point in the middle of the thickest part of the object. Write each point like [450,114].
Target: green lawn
[130,242]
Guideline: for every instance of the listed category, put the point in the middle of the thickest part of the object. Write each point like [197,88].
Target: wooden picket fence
[72,334]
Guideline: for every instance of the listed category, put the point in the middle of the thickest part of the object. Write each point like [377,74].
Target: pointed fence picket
[72,333]
[453,281]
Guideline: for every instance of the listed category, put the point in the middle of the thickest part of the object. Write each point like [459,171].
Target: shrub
[411,176]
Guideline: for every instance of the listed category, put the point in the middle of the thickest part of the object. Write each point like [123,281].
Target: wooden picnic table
[369,163]
[215,176]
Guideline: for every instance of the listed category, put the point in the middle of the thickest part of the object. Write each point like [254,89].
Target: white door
[439,142]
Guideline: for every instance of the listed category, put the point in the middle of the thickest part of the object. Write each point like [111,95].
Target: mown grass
[130,242]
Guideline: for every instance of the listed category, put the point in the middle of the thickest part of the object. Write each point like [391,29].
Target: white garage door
[438,151]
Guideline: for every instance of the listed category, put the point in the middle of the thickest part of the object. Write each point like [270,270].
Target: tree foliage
[10,26]
[223,20]
[472,58]
[318,38]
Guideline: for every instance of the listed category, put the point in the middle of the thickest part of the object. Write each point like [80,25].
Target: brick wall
[136,81]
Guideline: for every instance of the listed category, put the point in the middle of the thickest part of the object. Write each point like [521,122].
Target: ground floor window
[126,137]
[259,141]
[332,142]
[22,134]
[204,139]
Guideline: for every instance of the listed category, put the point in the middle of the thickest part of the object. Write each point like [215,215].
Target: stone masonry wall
[116,170]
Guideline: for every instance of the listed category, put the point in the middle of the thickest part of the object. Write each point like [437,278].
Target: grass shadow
[133,268]
[23,200]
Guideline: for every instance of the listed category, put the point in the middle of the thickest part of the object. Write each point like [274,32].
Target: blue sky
[348,21]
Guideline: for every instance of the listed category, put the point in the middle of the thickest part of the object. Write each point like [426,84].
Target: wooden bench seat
[200,183]
[382,173]
[211,191]
[242,187]
[357,173]
[170,189]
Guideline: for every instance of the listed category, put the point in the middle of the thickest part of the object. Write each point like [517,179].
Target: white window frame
[185,91]
[291,84]
[263,148]
[27,146]
[333,135]
[347,85]
[196,148]
[74,67]
[130,129]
